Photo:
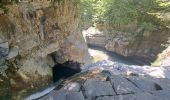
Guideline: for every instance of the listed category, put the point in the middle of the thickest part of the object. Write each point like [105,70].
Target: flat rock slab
[97,88]
[55,95]
[63,95]
[144,84]
[164,83]
[74,96]
[72,87]
[162,94]
[114,87]
[139,96]
[122,85]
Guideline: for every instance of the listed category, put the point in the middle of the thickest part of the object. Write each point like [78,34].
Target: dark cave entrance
[65,70]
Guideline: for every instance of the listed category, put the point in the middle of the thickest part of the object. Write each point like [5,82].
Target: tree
[118,12]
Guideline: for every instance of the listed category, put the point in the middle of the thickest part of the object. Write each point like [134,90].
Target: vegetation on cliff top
[122,12]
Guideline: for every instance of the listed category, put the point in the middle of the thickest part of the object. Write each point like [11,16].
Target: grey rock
[140,96]
[123,86]
[13,52]
[106,98]
[74,96]
[4,49]
[163,83]
[63,95]
[144,84]
[72,87]
[162,94]
[97,88]
[55,95]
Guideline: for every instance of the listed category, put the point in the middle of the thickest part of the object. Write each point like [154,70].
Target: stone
[13,52]
[106,98]
[4,49]
[156,95]
[95,37]
[139,96]
[39,32]
[72,87]
[97,88]
[55,95]
[74,96]
[63,95]
[144,84]
[163,83]
[123,86]
[162,94]
[129,41]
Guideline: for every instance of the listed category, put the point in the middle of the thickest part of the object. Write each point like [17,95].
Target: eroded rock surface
[130,41]
[104,85]
[30,32]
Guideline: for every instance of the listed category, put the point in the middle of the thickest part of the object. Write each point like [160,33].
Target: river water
[100,54]
[117,64]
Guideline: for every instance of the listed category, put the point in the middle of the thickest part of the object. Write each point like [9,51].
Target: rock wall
[30,32]
[131,41]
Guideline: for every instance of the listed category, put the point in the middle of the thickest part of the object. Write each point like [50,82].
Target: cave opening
[65,70]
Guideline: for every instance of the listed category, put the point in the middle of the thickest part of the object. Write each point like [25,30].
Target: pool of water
[100,54]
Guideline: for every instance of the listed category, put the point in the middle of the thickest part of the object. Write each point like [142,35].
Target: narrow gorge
[84,50]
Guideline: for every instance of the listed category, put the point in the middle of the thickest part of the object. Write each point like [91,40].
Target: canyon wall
[31,32]
[130,41]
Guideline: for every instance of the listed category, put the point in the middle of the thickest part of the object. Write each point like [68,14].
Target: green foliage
[118,12]
[87,11]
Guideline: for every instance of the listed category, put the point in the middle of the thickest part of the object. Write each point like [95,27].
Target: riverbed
[117,64]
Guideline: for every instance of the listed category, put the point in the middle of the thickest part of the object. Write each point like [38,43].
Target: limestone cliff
[30,32]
